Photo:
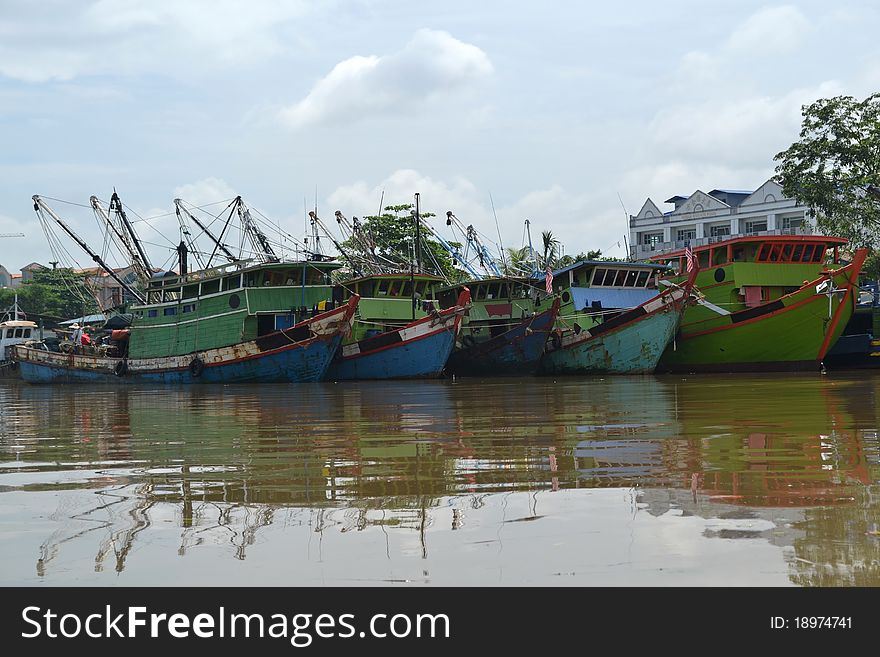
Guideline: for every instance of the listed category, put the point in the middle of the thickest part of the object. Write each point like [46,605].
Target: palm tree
[551,246]
[517,262]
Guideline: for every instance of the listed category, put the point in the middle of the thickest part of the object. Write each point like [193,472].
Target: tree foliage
[834,167]
[55,294]
[394,233]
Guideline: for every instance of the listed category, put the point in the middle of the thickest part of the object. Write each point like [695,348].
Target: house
[719,214]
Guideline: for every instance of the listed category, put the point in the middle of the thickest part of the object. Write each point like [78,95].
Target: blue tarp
[610,297]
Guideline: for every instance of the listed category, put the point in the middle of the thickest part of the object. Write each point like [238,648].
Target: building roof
[733,191]
[673,199]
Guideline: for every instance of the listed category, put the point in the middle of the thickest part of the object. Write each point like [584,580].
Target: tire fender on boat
[196,366]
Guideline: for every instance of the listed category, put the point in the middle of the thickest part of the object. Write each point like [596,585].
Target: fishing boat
[15,329]
[613,318]
[248,320]
[505,329]
[399,331]
[768,302]
[232,323]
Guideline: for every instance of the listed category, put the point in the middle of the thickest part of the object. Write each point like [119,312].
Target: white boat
[14,330]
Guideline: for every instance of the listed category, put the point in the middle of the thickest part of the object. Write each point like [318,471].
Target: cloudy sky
[562,113]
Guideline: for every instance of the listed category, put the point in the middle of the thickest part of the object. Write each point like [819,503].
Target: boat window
[819,253]
[27,333]
[492,291]
[191,291]
[808,253]
[420,288]
[504,291]
[407,289]
[189,307]
[738,254]
[481,292]
[154,297]
[598,276]
[775,250]
[154,312]
[643,279]
[10,333]
[210,287]
[18,332]
[233,282]
[171,310]
[171,295]
[250,279]
[762,254]
[797,253]
[383,287]
[620,278]
[631,278]
[786,252]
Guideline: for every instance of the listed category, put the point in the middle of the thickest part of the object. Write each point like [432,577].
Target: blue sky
[560,111]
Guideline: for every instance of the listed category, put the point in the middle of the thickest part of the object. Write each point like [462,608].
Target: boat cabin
[748,271]
[497,298]
[395,298]
[228,304]
[599,285]
[13,332]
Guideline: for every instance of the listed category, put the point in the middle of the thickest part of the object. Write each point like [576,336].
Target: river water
[656,481]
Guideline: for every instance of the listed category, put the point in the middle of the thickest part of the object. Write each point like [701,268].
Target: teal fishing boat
[613,319]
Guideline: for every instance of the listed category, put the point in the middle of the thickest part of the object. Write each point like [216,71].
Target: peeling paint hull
[632,343]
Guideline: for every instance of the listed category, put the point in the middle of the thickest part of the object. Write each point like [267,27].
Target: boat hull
[515,352]
[631,343]
[274,358]
[792,333]
[418,350]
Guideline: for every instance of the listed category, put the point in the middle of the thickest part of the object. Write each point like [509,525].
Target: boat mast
[487,262]
[257,237]
[116,206]
[316,222]
[455,253]
[178,205]
[42,209]
[532,251]
[135,258]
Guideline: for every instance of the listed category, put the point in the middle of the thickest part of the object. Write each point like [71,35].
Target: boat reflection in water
[585,481]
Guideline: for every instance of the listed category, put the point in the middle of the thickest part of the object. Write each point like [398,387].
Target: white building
[722,213]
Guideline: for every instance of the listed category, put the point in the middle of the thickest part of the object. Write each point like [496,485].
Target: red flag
[549,279]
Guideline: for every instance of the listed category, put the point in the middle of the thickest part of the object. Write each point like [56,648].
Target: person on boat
[76,336]
[85,340]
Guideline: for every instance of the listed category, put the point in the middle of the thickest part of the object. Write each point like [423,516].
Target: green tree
[834,167]
[394,231]
[52,293]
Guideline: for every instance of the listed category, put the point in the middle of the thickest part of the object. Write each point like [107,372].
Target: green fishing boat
[769,302]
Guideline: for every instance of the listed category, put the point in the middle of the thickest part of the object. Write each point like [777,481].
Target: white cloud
[130,37]
[770,30]
[431,64]
[571,217]
[736,131]
[205,191]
